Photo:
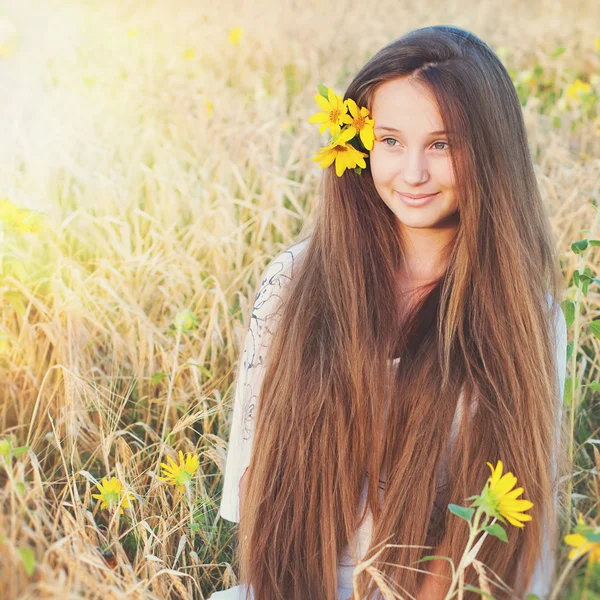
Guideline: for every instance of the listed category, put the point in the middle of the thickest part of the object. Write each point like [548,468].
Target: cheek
[381,167]
[445,176]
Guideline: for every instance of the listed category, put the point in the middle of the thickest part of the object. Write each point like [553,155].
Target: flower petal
[506,483]
[340,167]
[352,107]
[323,104]
[319,117]
[515,505]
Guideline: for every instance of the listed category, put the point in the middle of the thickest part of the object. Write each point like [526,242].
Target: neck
[425,254]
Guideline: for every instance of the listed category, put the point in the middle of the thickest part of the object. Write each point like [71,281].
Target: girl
[413,336]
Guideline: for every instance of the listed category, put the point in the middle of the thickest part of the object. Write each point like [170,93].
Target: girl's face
[411,156]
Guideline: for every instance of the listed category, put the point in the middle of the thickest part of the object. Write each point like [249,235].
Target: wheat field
[154,156]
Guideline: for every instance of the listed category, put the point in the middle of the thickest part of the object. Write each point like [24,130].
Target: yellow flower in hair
[499,501]
[582,545]
[113,495]
[361,123]
[340,151]
[181,474]
[334,115]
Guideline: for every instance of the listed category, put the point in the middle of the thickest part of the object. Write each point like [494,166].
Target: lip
[416,201]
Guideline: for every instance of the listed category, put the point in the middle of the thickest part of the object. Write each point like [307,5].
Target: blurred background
[154,156]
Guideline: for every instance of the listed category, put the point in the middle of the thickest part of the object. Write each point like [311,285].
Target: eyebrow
[383,127]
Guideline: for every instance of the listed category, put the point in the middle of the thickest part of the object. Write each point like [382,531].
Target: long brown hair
[331,407]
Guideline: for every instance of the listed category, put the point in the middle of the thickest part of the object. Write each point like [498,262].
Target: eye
[386,139]
[446,144]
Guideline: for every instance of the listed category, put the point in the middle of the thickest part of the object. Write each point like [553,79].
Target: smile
[415,201]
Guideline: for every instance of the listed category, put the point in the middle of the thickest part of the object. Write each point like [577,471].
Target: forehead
[406,105]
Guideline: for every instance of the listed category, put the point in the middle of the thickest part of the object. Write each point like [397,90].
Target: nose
[415,170]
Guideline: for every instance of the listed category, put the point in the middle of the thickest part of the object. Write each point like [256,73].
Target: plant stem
[171,382]
[574,390]
[561,579]
[168,406]
[473,531]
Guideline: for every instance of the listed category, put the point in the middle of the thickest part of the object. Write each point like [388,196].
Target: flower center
[359,122]
[111,498]
[334,115]
[183,478]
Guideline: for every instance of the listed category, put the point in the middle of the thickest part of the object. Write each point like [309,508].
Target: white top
[251,368]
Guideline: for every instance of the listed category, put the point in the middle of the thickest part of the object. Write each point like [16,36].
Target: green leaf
[568,308]
[205,371]
[569,350]
[580,246]
[587,276]
[157,377]
[496,530]
[358,170]
[591,536]
[594,242]
[194,526]
[20,487]
[567,390]
[595,327]
[594,385]
[322,90]
[17,452]
[532,597]
[461,511]
[5,447]
[471,588]
[432,557]
[28,559]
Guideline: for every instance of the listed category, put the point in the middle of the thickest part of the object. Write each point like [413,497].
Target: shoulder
[276,275]
[284,262]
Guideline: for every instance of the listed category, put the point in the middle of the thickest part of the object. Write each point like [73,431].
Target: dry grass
[155,204]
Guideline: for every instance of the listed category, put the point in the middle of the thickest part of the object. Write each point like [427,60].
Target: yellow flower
[344,155]
[334,113]
[578,89]
[582,545]
[180,474]
[19,220]
[597,43]
[112,494]
[210,107]
[189,53]
[361,123]
[500,502]
[185,320]
[235,35]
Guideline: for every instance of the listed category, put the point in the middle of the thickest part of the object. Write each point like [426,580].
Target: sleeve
[542,576]
[265,314]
